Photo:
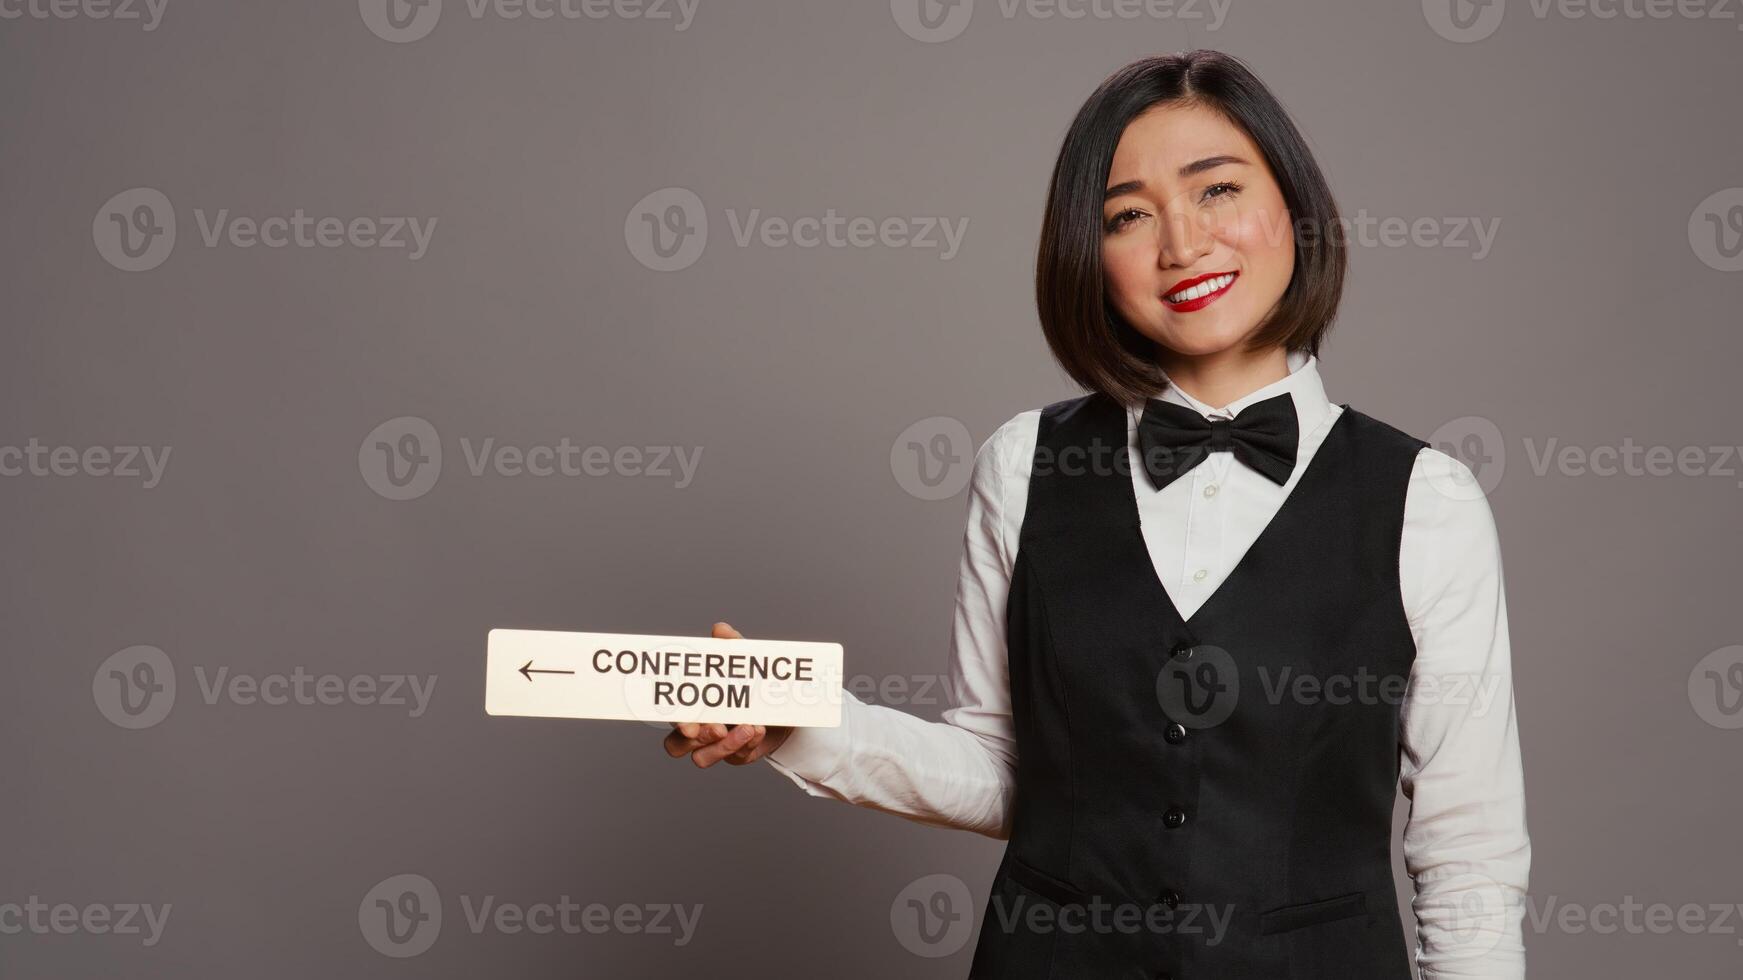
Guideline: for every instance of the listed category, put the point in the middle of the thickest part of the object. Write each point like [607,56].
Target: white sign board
[662,679]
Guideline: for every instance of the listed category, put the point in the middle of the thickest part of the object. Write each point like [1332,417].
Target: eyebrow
[1195,167]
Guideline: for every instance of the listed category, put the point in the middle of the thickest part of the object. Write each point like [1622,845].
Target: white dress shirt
[1465,846]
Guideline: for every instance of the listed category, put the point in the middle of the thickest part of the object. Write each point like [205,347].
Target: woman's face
[1196,242]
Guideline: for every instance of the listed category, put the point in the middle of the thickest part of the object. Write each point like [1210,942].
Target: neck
[1219,378]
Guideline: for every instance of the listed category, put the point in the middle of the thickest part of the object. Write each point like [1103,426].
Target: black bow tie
[1174,438]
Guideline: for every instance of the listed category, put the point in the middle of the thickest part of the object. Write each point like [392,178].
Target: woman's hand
[707,744]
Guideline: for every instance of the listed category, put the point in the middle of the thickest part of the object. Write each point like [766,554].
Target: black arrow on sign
[529,670]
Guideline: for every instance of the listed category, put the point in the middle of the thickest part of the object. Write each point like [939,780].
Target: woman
[1207,620]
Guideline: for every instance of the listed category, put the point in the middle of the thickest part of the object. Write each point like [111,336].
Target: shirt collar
[1302,383]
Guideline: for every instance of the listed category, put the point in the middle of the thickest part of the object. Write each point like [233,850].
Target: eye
[1223,189]
[1123,218]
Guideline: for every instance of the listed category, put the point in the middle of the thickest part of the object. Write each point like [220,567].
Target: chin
[1197,341]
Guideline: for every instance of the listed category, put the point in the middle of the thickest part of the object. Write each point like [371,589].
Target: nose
[1183,238]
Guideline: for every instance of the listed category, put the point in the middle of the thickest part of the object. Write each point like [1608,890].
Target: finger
[689,729]
[736,739]
[677,745]
[752,751]
[724,631]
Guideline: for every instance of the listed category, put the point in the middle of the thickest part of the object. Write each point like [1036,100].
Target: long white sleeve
[958,772]
[1465,846]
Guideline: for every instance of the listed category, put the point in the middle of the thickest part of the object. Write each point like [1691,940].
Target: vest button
[1175,734]
[1182,650]
[1175,817]
[1170,898]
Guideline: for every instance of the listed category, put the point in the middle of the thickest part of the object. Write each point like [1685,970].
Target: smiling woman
[1171,177]
[1189,599]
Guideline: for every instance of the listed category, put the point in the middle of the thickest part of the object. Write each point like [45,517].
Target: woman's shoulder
[1017,434]
[1011,445]
[1433,465]
[1377,429]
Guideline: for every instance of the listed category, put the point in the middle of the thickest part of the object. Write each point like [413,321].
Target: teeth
[1202,289]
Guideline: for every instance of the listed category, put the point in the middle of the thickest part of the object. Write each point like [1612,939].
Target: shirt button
[1210,490]
[1170,898]
[1175,734]
[1174,818]
[1182,651]
[1199,575]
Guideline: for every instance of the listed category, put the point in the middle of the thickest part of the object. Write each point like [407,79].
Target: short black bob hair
[1089,339]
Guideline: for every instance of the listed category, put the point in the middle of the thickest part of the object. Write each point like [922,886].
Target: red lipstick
[1200,302]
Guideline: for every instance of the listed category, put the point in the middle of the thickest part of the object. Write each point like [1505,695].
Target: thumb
[724,631]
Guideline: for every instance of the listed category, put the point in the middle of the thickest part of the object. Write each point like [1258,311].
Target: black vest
[1207,797]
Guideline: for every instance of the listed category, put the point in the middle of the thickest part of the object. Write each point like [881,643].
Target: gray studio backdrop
[247,245]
